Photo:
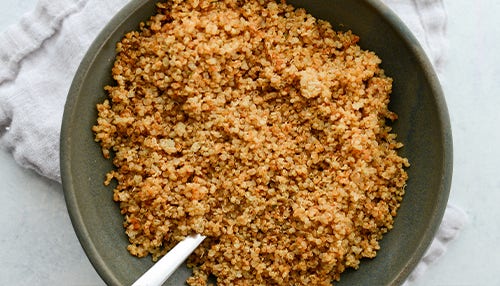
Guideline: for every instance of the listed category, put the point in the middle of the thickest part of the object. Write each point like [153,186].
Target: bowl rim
[129,9]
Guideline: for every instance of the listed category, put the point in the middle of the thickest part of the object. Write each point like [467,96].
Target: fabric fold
[427,20]
[40,56]
[19,40]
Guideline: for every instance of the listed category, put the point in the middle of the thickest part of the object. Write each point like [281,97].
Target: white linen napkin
[40,54]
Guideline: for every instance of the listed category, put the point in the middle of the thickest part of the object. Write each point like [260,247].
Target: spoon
[164,267]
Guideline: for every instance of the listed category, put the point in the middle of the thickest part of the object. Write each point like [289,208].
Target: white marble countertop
[34,217]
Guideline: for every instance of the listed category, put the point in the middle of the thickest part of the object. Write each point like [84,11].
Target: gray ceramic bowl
[423,127]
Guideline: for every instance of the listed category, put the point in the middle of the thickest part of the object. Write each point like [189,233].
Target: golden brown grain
[260,127]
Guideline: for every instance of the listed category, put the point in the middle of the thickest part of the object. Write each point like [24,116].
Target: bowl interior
[423,126]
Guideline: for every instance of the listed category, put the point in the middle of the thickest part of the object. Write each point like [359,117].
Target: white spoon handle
[164,267]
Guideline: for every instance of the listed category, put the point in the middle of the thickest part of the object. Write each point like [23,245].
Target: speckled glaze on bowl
[423,127]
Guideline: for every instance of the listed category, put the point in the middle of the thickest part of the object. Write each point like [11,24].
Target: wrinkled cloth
[40,55]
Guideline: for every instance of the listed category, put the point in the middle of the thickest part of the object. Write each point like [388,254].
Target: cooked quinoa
[258,126]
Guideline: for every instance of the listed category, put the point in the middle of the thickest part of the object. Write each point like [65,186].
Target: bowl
[423,127]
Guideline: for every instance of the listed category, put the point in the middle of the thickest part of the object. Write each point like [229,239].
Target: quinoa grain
[260,127]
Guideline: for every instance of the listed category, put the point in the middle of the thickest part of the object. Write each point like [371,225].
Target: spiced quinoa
[260,127]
